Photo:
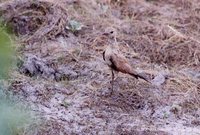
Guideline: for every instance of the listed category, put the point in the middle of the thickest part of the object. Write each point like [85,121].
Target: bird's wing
[120,63]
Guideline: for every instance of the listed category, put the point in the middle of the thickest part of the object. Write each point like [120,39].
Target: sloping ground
[64,76]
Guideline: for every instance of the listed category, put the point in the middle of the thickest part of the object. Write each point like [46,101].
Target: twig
[182,35]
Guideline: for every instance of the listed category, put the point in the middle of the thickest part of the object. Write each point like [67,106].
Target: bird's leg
[112,83]
[116,75]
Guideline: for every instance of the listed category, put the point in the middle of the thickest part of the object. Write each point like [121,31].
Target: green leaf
[74,26]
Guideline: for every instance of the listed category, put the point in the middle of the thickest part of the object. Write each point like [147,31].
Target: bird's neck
[114,47]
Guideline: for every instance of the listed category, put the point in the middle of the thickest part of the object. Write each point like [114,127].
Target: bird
[118,63]
[115,59]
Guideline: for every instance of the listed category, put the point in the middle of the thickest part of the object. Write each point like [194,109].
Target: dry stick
[182,35]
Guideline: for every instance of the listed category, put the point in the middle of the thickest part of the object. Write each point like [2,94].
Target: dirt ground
[62,72]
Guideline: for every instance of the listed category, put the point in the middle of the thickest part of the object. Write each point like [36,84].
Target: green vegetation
[6,53]
[15,118]
[74,26]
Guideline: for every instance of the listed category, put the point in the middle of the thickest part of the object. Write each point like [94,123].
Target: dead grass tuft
[35,20]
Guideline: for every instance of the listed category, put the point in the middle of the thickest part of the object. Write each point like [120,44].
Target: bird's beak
[105,34]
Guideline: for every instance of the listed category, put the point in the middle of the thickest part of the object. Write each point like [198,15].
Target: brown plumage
[117,62]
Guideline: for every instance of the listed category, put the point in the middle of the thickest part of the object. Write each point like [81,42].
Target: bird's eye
[111,32]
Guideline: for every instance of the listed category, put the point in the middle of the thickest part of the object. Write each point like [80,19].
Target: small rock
[35,66]
[160,78]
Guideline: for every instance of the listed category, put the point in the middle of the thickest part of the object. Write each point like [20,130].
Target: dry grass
[35,20]
[155,36]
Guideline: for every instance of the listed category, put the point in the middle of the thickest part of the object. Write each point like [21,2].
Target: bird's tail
[140,75]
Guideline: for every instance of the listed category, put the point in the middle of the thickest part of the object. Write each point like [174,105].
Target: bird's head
[110,32]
